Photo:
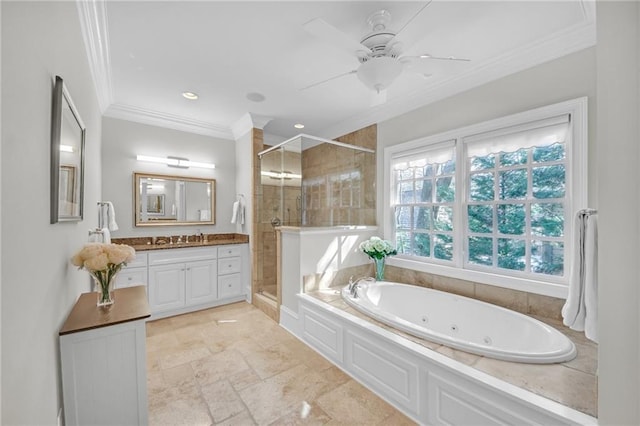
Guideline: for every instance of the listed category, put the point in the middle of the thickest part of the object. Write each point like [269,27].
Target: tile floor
[232,365]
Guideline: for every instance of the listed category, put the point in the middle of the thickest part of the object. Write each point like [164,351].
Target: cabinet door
[130,277]
[166,287]
[201,284]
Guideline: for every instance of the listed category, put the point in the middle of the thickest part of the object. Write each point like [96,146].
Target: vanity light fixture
[183,163]
[66,148]
[190,95]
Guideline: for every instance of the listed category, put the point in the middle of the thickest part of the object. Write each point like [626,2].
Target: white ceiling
[144,54]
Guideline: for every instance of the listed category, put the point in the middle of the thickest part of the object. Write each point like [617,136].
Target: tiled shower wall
[338,184]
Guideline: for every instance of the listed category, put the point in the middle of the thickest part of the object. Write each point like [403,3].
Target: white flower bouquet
[103,262]
[377,248]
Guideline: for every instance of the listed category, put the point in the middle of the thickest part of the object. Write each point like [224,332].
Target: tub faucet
[353,285]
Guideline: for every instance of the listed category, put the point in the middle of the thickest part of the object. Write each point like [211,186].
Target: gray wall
[39,285]
[123,140]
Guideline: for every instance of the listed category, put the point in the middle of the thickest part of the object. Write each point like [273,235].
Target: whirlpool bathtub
[462,323]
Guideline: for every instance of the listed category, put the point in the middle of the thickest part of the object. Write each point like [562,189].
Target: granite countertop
[162,242]
[573,383]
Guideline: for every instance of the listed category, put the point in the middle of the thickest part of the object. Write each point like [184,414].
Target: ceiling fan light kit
[379,73]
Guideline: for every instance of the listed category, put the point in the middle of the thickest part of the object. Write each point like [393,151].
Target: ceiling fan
[379,52]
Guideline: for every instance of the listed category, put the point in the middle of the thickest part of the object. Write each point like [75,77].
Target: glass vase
[379,264]
[104,288]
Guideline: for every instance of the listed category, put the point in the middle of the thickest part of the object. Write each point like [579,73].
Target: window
[492,202]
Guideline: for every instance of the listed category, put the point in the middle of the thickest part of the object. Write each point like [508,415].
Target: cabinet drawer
[229,265]
[229,285]
[229,251]
[180,255]
[130,277]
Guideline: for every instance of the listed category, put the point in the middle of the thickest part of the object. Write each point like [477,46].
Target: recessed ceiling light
[255,97]
[299,126]
[190,95]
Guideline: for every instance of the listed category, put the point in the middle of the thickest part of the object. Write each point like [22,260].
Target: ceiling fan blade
[409,33]
[441,58]
[328,79]
[334,36]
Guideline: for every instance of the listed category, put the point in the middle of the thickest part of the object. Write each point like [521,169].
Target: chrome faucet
[354,285]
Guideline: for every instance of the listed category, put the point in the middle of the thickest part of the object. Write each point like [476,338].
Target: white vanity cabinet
[134,274]
[187,279]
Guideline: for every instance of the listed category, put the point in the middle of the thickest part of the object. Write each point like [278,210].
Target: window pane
[511,219]
[513,158]
[547,257]
[422,218]
[547,219]
[481,250]
[482,187]
[403,242]
[424,191]
[511,254]
[443,218]
[445,189]
[428,170]
[482,163]
[548,182]
[403,217]
[443,246]
[513,184]
[447,168]
[421,245]
[405,174]
[553,152]
[480,218]
[405,192]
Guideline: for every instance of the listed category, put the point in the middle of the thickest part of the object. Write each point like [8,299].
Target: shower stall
[308,181]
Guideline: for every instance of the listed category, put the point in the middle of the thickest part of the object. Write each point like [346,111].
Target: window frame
[576,197]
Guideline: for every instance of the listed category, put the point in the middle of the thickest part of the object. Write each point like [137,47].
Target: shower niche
[310,182]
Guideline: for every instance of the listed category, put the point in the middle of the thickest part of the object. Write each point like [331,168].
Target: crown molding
[247,122]
[554,46]
[93,25]
[171,121]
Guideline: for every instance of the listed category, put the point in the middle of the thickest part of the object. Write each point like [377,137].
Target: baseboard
[289,320]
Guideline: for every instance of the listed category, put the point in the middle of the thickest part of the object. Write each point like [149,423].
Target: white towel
[580,311]
[111,214]
[234,214]
[100,236]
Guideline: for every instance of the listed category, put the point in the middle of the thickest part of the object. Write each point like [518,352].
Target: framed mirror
[173,200]
[67,157]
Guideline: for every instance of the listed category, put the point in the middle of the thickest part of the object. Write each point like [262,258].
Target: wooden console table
[103,357]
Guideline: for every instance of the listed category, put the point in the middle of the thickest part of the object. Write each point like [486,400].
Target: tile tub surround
[144,243]
[519,301]
[573,383]
[203,368]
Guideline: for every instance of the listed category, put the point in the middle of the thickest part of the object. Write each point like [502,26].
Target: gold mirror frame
[196,205]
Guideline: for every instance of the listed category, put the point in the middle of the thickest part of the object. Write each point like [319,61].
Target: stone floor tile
[192,412]
[216,367]
[222,400]
[303,414]
[397,419]
[243,379]
[179,356]
[242,419]
[352,403]
[162,342]
[159,326]
[271,361]
[181,375]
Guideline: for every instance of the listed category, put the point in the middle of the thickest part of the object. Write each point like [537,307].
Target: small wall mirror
[67,157]
[173,200]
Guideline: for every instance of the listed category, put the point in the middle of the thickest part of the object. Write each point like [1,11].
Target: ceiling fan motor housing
[377,41]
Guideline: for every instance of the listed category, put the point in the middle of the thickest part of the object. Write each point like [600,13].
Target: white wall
[618,112]
[123,140]
[39,285]
[244,178]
